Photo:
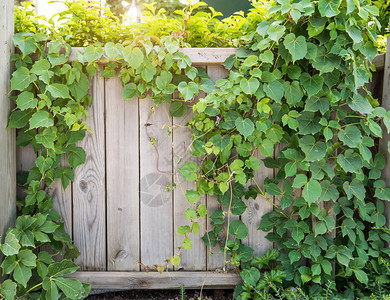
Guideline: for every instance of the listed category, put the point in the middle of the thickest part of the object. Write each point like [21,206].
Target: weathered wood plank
[155,175]
[62,200]
[25,160]
[89,194]
[154,280]
[194,259]
[211,56]
[216,261]
[122,144]
[379,61]
[199,56]
[256,209]
[7,136]
[386,137]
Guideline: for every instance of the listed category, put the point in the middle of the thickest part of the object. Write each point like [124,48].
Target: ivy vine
[297,81]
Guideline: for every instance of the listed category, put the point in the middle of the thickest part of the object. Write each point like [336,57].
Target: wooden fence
[119,210]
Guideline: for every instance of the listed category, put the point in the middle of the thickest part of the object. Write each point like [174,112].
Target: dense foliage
[291,98]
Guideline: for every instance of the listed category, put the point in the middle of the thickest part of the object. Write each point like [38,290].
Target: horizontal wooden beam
[207,56]
[154,280]
[198,56]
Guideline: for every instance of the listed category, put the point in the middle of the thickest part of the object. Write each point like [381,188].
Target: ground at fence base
[164,295]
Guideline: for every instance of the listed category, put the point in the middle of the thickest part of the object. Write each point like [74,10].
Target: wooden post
[7,136]
[386,137]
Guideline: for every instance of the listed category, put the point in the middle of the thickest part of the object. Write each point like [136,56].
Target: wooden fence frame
[111,280]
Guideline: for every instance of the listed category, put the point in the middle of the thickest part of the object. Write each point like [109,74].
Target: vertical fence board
[25,160]
[216,261]
[256,209]
[194,259]
[89,195]
[7,136]
[386,137]
[122,144]
[62,200]
[156,174]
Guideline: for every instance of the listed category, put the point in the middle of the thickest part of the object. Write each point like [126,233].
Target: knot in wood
[83,184]
[122,254]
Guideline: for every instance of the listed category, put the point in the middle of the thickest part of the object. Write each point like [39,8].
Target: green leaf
[239,229]
[360,104]
[296,46]
[51,289]
[317,103]
[299,181]
[47,137]
[320,228]
[238,207]
[245,126]
[8,289]
[272,189]
[26,100]
[43,163]
[175,260]
[354,33]
[251,276]
[308,123]
[129,91]
[177,109]
[249,86]
[312,191]
[355,188]
[112,51]
[22,274]
[313,150]
[274,90]
[21,79]
[62,268]
[26,44]
[134,57]
[11,245]
[188,90]
[92,53]
[19,119]
[361,275]
[58,90]
[292,92]
[329,8]
[350,161]
[41,119]
[218,217]
[71,287]
[312,84]
[189,171]
[351,136]
[76,157]
[27,257]
[275,32]
[172,45]
[190,214]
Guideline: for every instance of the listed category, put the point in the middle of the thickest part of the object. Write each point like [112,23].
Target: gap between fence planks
[154,280]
